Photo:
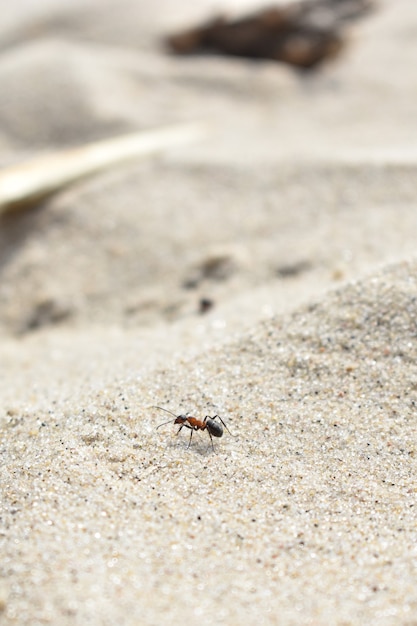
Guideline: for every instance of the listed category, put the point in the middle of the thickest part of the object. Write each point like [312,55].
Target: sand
[295,222]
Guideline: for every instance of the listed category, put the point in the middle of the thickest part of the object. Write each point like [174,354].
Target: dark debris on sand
[302,34]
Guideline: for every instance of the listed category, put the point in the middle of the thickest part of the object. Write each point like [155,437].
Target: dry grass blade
[25,185]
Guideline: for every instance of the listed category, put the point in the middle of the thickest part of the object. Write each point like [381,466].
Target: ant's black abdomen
[215,429]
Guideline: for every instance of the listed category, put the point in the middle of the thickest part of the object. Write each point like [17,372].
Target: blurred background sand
[264,274]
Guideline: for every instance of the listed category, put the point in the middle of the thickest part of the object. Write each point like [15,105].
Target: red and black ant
[213,428]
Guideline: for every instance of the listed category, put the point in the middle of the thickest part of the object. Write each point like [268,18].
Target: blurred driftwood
[26,184]
[302,34]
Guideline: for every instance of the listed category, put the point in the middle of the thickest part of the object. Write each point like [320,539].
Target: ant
[213,428]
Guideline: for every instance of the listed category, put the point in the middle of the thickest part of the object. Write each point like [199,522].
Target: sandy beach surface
[265,274]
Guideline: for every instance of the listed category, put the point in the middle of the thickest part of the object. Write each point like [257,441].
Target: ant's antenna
[166,411]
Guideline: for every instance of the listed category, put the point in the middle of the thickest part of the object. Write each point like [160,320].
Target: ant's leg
[224,425]
[211,439]
[191,436]
[183,426]
[186,426]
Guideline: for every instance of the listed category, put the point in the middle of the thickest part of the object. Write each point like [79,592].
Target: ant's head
[180,419]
